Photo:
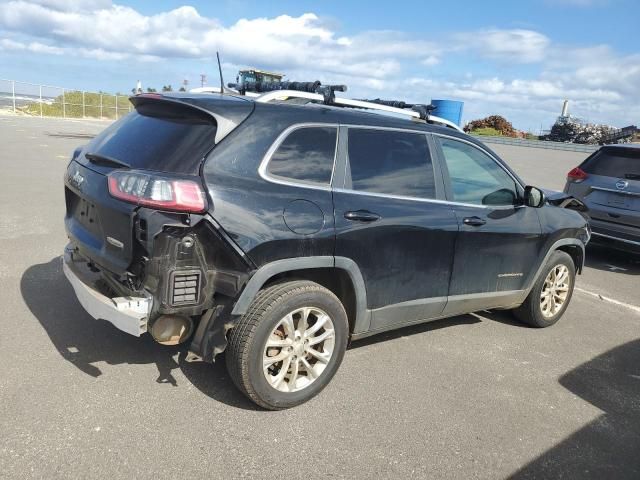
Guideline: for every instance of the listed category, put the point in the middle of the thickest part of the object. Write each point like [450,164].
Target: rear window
[159,136]
[306,155]
[619,162]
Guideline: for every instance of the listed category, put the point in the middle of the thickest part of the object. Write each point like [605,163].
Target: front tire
[551,294]
[288,345]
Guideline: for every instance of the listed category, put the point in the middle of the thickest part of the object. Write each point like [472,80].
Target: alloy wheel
[555,291]
[298,349]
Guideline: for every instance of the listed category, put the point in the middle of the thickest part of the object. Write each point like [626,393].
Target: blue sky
[518,59]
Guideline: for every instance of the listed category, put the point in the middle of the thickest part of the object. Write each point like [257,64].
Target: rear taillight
[577,175]
[155,191]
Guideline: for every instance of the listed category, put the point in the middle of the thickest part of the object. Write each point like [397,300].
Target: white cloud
[599,67]
[517,45]
[378,63]
[35,47]
[520,100]
[488,85]
[282,41]
[431,60]
[74,5]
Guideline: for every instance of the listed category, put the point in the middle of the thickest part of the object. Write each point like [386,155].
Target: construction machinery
[246,80]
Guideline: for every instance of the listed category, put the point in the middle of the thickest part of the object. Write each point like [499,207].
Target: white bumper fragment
[129,314]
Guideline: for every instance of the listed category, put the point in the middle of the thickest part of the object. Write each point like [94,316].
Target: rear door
[612,191]
[498,240]
[389,220]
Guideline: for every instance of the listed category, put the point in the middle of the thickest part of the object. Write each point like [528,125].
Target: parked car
[279,232]
[608,182]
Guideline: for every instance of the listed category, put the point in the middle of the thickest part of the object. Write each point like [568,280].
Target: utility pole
[203,79]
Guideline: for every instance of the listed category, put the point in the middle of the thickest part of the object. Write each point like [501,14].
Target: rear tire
[288,345]
[551,294]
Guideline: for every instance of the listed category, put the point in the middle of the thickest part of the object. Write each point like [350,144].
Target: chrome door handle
[361,216]
[474,221]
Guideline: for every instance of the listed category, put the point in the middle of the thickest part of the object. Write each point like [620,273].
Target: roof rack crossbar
[418,112]
[375,106]
[423,110]
[327,91]
[283,94]
[347,102]
[388,103]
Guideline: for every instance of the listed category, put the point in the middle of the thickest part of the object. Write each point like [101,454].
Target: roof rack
[315,91]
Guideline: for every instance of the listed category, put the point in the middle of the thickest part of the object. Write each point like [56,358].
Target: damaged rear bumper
[129,314]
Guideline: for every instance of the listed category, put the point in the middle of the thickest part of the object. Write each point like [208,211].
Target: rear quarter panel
[251,209]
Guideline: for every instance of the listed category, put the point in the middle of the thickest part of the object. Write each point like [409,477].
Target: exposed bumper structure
[129,314]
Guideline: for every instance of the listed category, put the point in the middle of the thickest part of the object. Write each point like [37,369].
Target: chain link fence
[49,101]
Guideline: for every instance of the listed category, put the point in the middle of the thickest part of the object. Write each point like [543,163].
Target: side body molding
[467,303]
[264,273]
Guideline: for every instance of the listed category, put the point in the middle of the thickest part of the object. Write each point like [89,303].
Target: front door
[499,238]
[389,221]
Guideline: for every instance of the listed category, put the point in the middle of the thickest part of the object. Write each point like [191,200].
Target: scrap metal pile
[571,130]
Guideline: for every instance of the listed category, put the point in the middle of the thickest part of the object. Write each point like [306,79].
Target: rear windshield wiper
[98,159]
[632,176]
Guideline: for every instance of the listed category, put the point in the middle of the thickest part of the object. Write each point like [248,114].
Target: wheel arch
[572,246]
[340,275]
[576,253]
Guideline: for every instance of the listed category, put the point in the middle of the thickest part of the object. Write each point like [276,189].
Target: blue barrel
[449,110]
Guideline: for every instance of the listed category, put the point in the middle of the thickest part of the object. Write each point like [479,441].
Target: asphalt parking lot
[476,396]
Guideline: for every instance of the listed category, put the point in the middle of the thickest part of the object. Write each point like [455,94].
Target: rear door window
[390,162]
[305,155]
[615,162]
[159,136]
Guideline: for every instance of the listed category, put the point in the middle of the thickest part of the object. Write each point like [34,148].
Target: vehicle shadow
[85,342]
[607,259]
[609,446]
[505,317]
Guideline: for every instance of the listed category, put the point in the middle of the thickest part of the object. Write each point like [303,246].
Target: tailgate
[163,135]
[614,200]
[98,224]
[612,189]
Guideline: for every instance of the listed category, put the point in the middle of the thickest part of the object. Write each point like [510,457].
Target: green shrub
[488,131]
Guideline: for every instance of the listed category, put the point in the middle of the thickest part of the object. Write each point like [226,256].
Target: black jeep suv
[280,231]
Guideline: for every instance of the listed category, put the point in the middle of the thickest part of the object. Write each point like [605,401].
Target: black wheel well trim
[558,245]
[579,261]
[270,270]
